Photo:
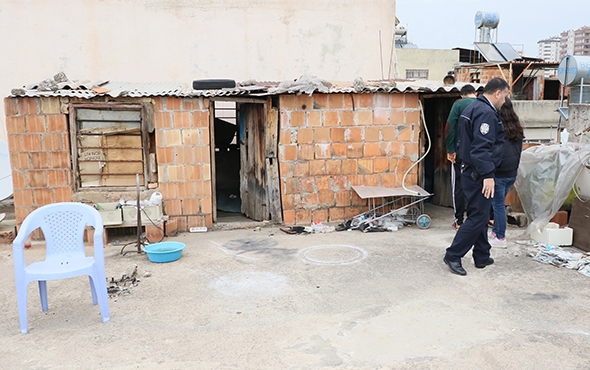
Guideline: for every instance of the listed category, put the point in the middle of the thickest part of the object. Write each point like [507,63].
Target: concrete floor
[262,299]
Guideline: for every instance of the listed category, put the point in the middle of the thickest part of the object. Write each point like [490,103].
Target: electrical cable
[423,120]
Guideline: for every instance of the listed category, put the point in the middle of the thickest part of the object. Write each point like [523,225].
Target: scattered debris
[117,287]
[296,230]
[560,257]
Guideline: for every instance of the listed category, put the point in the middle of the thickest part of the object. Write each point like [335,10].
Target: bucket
[164,251]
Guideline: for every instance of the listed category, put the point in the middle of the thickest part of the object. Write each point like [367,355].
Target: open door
[253,182]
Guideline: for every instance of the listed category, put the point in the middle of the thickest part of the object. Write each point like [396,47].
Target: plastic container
[164,251]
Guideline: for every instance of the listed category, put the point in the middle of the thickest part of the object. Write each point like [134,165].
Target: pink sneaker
[498,243]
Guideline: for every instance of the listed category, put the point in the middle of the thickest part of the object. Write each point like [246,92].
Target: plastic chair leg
[100,285]
[92,290]
[21,295]
[43,294]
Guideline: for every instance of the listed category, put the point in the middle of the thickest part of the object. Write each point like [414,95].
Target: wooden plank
[107,127]
[213,160]
[122,167]
[123,154]
[271,132]
[83,114]
[122,141]
[273,190]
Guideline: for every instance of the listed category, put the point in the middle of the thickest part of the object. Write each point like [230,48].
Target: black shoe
[455,267]
[490,261]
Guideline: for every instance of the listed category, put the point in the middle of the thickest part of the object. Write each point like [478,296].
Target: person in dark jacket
[506,173]
[480,147]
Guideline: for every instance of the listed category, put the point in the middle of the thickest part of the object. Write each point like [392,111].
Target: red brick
[404,133]
[287,102]
[382,100]
[302,216]
[205,136]
[301,169]
[21,212]
[40,160]
[14,143]
[60,159]
[285,137]
[355,150]
[356,180]
[330,118]
[365,166]
[381,117]
[354,135]
[53,142]
[381,164]
[173,103]
[339,150]
[364,117]
[327,198]
[291,186]
[182,222]
[173,207]
[317,167]
[19,161]
[18,180]
[285,170]
[323,151]
[165,155]
[314,119]
[58,178]
[306,152]
[162,120]
[307,185]
[366,100]
[203,188]
[182,119]
[287,201]
[413,117]
[305,136]
[410,148]
[289,217]
[196,221]
[288,152]
[336,214]
[297,119]
[372,133]
[202,154]
[333,167]
[403,164]
[304,102]
[349,167]
[183,155]
[186,190]
[371,150]
[206,205]
[343,199]
[15,125]
[42,196]
[23,197]
[320,101]
[388,180]
[350,212]
[200,119]
[192,104]
[175,173]
[35,123]
[321,135]
[337,135]
[309,200]
[158,103]
[397,117]
[32,143]
[351,101]
[320,215]
[347,118]
[412,100]
[168,190]
[339,182]
[154,233]
[397,100]
[335,101]
[10,106]
[194,172]
[392,164]
[172,137]
[29,106]
[37,178]
[389,133]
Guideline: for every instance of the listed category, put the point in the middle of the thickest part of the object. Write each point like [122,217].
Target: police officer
[481,140]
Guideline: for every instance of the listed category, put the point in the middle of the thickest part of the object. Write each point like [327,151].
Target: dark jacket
[511,159]
[481,137]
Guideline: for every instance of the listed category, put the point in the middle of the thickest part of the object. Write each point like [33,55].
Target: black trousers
[474,231]
[458,195]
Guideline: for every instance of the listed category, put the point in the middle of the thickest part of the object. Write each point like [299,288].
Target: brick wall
[39,145]
[184,160]
[330,142]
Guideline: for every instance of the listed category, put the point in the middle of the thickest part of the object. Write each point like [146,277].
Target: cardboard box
[148,213]
[111,215]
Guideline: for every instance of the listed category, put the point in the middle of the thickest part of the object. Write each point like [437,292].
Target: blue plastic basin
[164,251]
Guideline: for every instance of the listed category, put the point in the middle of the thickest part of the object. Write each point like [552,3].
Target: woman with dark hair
[505,174]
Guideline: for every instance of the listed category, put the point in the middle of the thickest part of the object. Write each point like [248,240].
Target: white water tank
[487,19]
[573,68]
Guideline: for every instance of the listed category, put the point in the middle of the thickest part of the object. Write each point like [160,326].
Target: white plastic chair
[63,226]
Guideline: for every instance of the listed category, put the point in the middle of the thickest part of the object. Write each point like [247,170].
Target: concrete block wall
[184,160]
[39,145]
[330,142]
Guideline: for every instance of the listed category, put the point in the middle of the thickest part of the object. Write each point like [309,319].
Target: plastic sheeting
[304,84]
[545,179]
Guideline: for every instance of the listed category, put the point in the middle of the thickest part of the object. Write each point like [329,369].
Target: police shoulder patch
[484,128]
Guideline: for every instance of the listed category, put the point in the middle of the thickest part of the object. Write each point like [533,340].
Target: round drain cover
[332,254]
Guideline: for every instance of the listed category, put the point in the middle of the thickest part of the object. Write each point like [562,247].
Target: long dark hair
[512,129]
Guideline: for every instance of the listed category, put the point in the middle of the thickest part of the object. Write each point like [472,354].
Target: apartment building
[575,42]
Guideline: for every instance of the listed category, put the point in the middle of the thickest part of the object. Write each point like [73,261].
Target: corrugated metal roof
[89,90]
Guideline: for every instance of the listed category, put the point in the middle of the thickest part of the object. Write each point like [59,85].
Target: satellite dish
[5,171]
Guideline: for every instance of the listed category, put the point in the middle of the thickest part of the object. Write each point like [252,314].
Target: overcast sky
[445,24]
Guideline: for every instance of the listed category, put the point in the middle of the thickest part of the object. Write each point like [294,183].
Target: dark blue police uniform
[481,141]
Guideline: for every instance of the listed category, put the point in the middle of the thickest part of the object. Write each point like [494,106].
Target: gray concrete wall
[578,121]
[182,40]
[539,118]
[437,62]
